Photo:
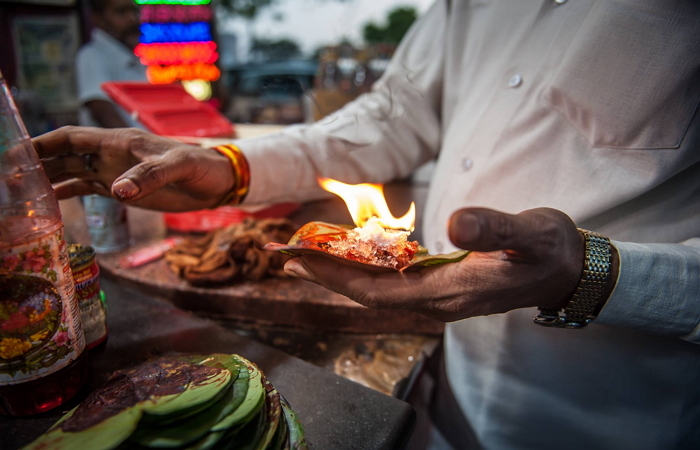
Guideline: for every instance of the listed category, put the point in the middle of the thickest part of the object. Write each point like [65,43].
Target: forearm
[658,289]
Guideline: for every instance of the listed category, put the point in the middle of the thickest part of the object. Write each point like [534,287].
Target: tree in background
[274,49]
[399,20]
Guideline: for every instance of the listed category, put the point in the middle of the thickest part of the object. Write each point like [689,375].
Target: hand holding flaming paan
[530,259]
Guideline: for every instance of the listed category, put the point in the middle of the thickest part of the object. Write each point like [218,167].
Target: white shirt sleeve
[383,135]
[91,72]
[658,289]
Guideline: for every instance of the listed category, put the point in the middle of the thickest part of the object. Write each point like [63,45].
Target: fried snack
[232,253]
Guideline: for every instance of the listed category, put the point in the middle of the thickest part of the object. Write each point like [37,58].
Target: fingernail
[125,189]
[294,268]
[468,228]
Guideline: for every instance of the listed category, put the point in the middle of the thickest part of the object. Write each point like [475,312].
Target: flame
[365,201]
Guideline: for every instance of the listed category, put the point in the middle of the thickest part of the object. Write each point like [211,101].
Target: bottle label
[40,328]
[92,312]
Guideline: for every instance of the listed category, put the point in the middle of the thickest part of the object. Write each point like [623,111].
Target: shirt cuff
[656,290]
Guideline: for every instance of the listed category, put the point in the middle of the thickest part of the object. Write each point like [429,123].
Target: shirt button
[438,246]
[515,81]
[560,2]
[467,164]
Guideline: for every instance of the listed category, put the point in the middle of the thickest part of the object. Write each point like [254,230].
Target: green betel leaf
[252,403]
[196,427]
[183,432]
[247,436]
[281,436]
[195,396]
[110,414]
[297,436]
[274,413]
[425,260]
[312,239]
[105,435]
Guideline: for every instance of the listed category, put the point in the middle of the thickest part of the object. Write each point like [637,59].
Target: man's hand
[134,166]
[534,258]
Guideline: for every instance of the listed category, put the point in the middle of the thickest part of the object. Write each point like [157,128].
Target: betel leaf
[105,435]
[274,413]
[252,403]
[229,429]
[297,436]
[110,414]
[197,394]
[183,432]
[177,434]
[281,436]
[247,436]
[311,238]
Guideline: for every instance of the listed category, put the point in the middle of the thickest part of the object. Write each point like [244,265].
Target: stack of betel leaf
[193,402]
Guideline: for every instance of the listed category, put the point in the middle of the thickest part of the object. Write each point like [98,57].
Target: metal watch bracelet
[596,272]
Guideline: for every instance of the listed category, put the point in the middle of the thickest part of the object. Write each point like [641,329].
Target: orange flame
[365,201]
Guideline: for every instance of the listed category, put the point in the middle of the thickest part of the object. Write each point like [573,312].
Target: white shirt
[586,106]
[104,59]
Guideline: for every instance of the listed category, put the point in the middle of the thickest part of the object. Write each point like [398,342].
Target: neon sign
[175,32]
[170,74]
[177,45]
[173,2]
[177,53]
[176,13]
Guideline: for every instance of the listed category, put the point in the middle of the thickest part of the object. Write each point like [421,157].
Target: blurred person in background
[109,56]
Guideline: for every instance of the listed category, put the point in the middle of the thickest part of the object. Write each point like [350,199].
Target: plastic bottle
[42,345]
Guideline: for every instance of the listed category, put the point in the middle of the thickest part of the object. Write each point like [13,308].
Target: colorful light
[173,2]
[176,13]
[175,32]
[177,45]
[177,53]
[170,74]
[199,89]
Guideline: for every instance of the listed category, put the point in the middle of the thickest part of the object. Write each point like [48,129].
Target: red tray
[168,110]
[212,219]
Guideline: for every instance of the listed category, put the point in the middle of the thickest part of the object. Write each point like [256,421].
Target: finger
[76,140]
[75,187]
[153,174]
[383,290]
[68,164]
[531,232]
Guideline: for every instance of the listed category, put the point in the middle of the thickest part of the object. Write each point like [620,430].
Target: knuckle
[137,138]
[68,129]
[501,227]
[183,157]
[551,232]
[153,172]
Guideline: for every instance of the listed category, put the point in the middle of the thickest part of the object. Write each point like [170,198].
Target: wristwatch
[582,306]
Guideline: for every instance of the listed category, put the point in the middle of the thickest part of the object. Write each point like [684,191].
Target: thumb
[485,230]
[147,177]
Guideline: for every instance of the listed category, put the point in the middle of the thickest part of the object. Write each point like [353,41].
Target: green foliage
[399,20]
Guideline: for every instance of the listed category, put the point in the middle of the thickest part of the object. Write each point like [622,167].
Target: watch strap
[580,310]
